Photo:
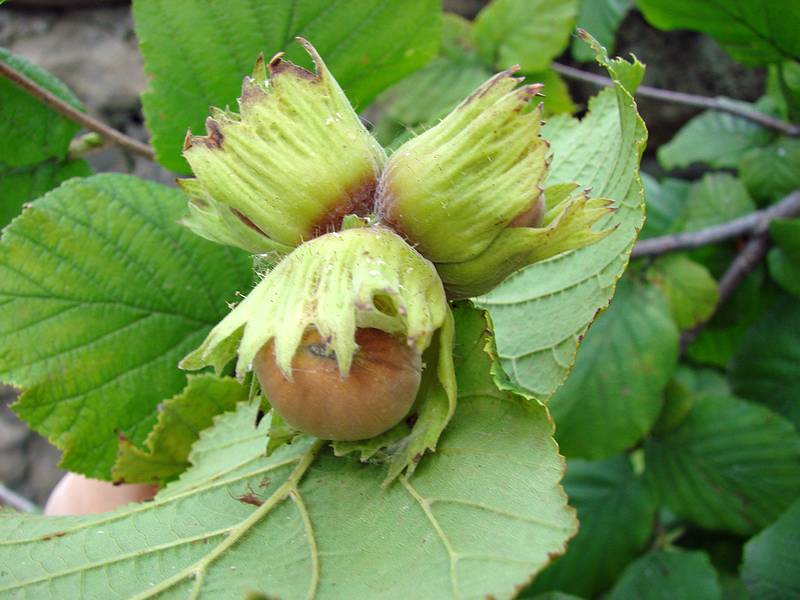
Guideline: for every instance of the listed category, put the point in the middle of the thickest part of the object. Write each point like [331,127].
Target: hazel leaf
[619,374]
[180,421]
[101,294]
[714,138]
[195,52]
[542,312]
[529,33]
[731,465]
[663,574]
[689,288]
[771,561]
[601,18]
[616,509]
[325,524]
[754,32]
[764,366]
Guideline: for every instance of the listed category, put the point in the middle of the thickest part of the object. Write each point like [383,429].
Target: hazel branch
[719,104]
[60,106]
[755,223]
[14,500]
[747,260]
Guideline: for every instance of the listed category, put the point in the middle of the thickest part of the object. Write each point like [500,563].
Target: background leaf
[613,396]
[665,575]
[555,98]
[101,294]
[765,366]
[715,199]
[335,530]
[689,288]
[773,171]
[34,140]
[541,313]
[784,258]
[720,338]
[666,201]
[755,32]
[771,562]
[426,96]
[180,421]
[601,18]
[197,53]
[616,511]
[713,138]
[529,33]
[731,465]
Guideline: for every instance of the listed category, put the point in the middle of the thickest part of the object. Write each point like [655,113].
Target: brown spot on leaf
[250,499]
[54,535]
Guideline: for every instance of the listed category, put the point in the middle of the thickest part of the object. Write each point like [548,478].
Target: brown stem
[719,104]
[60,106]
[756,222]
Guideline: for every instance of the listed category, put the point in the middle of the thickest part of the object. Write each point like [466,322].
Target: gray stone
[13,466]
[92,50]
[43,472]
[12,431]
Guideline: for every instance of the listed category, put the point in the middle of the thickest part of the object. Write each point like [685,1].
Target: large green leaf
[478,518]
[196,53]
[765,366]
[529,33]
[773,171]
[601,18]
[755,32]
[101,294]
[542,312]
[730,465]
[668,575]
[616,510]
[180,421]
[34,140]
[690,289]
[771,562]
[613,396]
[714,138]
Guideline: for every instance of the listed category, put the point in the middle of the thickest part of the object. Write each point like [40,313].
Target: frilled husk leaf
[290,165]
[566,225]
[453,189]
[366,277]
